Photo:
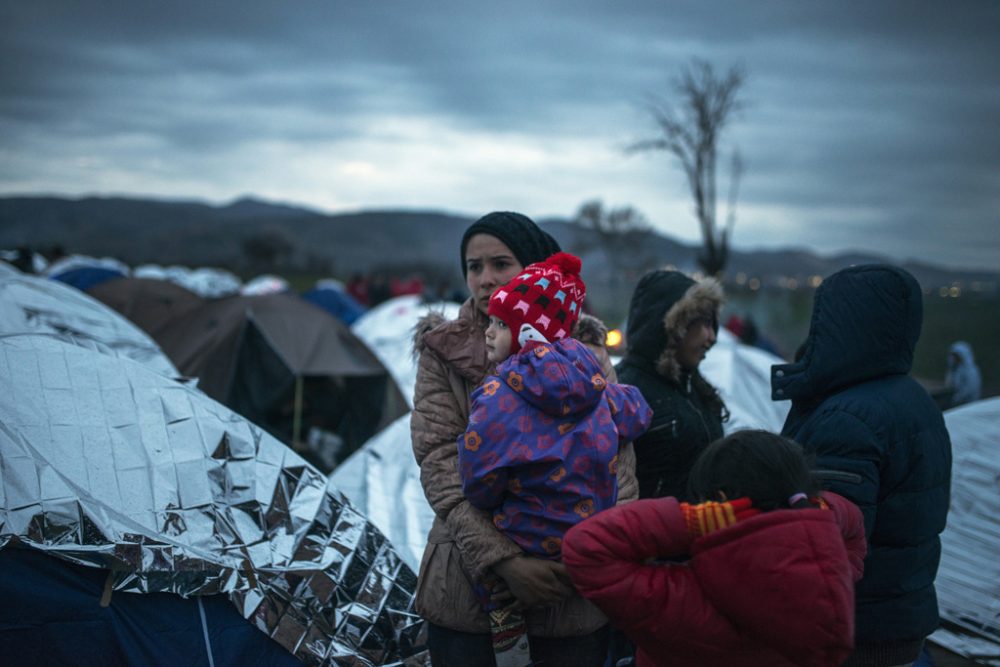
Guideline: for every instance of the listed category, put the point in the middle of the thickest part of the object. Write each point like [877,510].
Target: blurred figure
[963,377]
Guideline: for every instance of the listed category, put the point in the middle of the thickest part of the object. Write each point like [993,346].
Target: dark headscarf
[518,232]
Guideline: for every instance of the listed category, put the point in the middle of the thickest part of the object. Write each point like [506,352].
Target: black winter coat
[687,412]
[879,440]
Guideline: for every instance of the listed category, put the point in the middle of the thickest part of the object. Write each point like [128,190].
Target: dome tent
[282,363]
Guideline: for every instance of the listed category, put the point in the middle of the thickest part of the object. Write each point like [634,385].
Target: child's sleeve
[481,461]
[630,411]
[852,529]
[608,557]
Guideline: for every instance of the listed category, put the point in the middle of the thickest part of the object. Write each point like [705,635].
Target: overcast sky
[868,125]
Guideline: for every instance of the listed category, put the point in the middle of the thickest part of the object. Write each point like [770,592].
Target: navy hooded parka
[878,438]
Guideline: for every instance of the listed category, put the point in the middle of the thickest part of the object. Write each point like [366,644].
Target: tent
[278,361]
[968,580]
[85,277]
[335,301]
[109,466]
[387,329]
[31,304]
[205,282]
[742,374]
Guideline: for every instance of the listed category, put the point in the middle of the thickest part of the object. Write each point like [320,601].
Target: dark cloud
[866,123]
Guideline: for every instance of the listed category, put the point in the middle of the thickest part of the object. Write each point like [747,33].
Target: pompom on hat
[544,299]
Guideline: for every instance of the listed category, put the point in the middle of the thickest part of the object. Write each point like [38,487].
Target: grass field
[783,315]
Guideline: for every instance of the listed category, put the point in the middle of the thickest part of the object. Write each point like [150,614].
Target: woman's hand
[532,582]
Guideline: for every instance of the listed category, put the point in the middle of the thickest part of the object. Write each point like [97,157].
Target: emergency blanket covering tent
[382,478]
[29,304]
[108,464]
[282,363]
[968,580]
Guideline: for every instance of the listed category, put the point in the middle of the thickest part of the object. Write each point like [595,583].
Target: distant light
[614,338]
[741,278]
[793,283]
[943,291]
[754,284]
[955,291]
[815,281]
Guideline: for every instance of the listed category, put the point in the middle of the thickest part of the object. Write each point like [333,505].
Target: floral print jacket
[541,449]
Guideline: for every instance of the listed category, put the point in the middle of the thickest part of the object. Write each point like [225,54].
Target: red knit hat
[547,296]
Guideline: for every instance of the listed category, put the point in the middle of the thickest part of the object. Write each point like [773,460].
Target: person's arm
[847,459]
[435,424]
[608,559]
[481,461]
[852,529]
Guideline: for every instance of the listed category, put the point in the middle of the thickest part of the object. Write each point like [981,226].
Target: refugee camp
[527,335]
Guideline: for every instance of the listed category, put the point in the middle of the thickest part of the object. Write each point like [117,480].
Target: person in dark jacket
[880,441]
[672,323]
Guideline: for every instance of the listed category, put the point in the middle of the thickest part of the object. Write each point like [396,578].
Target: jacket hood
[560,379]
[964,352]
[865,324]
[801,578]
[460,342]
[663,305]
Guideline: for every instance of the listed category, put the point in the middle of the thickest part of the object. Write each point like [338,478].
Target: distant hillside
[251,235]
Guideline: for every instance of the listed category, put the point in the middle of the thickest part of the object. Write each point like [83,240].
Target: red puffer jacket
[776,589]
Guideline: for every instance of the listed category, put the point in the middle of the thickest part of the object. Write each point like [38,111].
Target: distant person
[880,441]
[672,323]
[464,545]
[750,335]
[963,378]
[541,449]
[769,563]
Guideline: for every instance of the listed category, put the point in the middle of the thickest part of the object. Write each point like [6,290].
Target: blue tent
[85,277]
[338,303]
[54,615]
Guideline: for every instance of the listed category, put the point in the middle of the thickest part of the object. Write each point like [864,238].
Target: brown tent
[283,363]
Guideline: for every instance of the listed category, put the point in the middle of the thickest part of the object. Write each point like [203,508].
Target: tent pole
[297,415]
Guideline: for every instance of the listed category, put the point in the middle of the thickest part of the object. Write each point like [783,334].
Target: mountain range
[250,235]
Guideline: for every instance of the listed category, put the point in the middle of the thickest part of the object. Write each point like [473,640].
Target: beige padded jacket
[463,544]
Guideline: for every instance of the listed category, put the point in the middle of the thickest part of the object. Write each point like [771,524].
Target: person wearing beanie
[672,323]
[464,546]
[541,448]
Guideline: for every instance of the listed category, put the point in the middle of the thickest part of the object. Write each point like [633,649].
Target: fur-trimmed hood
[460,342]
[663,306]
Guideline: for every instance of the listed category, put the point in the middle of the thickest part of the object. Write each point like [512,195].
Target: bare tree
[706,104]
[619,232]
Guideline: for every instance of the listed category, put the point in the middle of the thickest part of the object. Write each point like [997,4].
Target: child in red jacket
[770,579]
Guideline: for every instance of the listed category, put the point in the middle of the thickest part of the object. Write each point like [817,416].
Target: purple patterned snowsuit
[541,449]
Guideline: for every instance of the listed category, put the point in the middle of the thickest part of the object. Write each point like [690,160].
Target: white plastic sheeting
[387,330]
[206,282]
[265,284]
[968,580]
[33,305]
[742,374]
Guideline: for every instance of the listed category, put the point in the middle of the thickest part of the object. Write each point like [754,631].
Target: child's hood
[783,577]
[560,379]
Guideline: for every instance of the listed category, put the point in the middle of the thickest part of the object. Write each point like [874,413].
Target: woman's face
[489,263]
[698,340]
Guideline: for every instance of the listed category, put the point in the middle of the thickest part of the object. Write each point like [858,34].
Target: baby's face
[497,340]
